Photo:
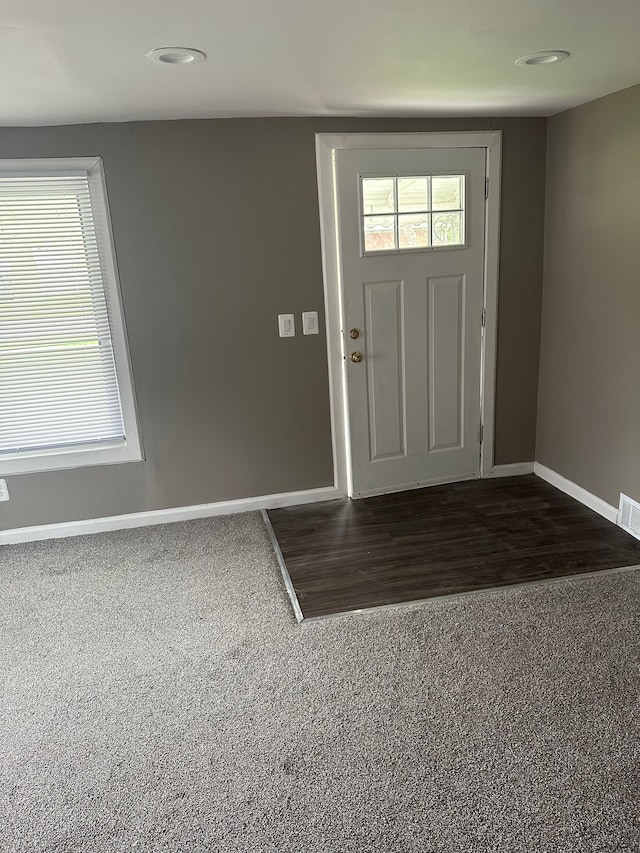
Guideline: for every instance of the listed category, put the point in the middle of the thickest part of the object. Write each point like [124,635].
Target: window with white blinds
[66,396]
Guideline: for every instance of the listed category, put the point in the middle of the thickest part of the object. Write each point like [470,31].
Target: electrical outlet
[4,491]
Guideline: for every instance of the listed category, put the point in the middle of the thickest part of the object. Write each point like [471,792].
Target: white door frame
[326,146]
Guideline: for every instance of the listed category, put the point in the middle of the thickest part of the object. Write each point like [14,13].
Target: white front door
[411,233]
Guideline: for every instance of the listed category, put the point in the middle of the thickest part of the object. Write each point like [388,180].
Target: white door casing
[409,414]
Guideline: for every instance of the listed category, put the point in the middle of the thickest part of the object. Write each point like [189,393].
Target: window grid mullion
[396,221]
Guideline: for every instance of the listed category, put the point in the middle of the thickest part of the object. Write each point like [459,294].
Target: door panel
[414,399]
[384,335]
[446,359]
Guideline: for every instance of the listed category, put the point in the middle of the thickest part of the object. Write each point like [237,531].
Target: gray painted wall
[228,409]
[589,403]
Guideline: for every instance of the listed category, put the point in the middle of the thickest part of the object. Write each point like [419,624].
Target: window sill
[59,460]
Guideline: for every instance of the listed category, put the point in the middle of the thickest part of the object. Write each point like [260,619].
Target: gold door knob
[356,357]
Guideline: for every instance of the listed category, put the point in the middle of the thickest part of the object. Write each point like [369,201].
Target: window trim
[79,456]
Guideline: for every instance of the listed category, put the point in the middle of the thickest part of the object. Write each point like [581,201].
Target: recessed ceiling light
[176,55]
[544,57]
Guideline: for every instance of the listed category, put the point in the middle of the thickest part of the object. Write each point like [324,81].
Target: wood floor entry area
[348,555]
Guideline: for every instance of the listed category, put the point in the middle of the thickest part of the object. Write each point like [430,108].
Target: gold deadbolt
[354,333]
[356,357]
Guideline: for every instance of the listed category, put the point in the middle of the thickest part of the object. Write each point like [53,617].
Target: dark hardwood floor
[346,555]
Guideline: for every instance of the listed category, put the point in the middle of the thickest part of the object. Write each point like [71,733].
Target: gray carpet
[158,696]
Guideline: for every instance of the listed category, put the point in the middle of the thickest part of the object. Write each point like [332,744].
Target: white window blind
[58,380]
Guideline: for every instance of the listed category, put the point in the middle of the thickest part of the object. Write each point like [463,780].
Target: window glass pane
[413,212]
[413,231]
[57,371]
[379,233]
[448,229]
[447,192]
[413,194]
[377,195]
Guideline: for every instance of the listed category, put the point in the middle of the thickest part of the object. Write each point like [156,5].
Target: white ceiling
[67,61]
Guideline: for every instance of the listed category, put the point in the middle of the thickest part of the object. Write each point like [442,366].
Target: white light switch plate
[309,322]
[4,491]
[286,325]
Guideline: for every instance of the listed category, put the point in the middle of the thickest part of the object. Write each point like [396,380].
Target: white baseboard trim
[575,491]
[165,516]
[184,513]
[515,469]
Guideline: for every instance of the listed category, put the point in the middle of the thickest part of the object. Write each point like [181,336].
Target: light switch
[286,325]
[309,322]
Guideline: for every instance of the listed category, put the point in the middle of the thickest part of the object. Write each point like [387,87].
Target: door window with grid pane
[409,213]
[66,395]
